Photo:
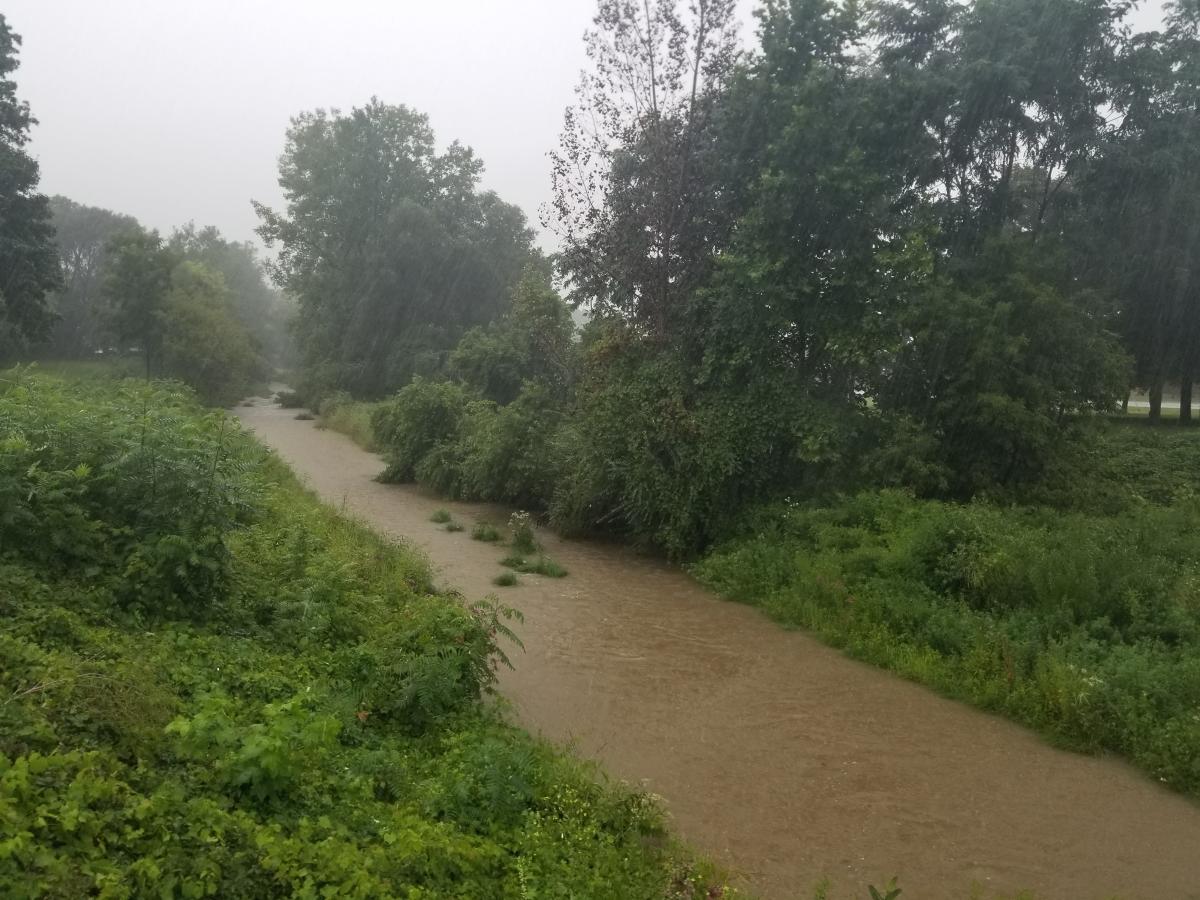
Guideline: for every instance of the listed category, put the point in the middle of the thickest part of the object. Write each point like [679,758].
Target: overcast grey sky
[173,111]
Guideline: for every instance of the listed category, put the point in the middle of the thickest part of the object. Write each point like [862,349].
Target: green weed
[440,516]
[505,579]
[542,565]
[520,526]
[482,531]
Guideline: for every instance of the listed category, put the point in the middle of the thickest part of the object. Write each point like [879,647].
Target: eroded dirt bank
[773,752]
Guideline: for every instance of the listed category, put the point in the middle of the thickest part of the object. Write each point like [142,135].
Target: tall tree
[203,343]
[1143,192]
[252,299]
[1007,99]
[633,179]
[390,248]
[82,233]
[804,285]
[28,260]
[137,279]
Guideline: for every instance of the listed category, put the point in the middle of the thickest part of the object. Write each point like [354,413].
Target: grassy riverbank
[1082,622]
[215,686]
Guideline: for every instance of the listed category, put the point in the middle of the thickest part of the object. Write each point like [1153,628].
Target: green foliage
[652,453]
[311,728]
[82,234]
[259,309]
[1000,365]
[27,252]
[391,248]
[455,526]
[520,528]
[440,516]
[179,314]
[505,579]
[1082,626]
[484,531]
[532,341]
[136,280]
[125,484]
[421,417]
[203,344]
[339,412]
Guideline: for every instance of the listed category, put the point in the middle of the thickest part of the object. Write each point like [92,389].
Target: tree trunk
[1185,391]
[1156,389]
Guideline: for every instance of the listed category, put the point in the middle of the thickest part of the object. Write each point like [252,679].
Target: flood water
[777,755]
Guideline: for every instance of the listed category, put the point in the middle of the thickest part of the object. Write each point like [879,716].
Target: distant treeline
[79,282]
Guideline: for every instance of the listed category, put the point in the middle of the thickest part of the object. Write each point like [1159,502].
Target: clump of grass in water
[521,525]
[505,579]
[484,531]
[454,526]
[543,565]
[440,516]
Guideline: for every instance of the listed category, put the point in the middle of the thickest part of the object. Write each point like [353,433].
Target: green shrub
[290,400]
[520,527]
[454,526]
[440,516]
[653,453]
[414,421]
[124,481]
[484,531]
[505,579]
[508,453]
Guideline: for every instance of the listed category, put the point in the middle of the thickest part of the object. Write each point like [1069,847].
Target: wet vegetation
[841,320]
[483,531]
[210,679]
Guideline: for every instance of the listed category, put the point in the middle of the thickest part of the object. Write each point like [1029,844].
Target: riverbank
[213,685]
[774,752]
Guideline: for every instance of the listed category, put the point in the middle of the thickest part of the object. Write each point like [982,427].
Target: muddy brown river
[774,753]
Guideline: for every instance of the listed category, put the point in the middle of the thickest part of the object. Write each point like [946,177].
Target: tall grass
[349,417]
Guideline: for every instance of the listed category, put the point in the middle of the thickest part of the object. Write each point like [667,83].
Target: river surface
[773,753]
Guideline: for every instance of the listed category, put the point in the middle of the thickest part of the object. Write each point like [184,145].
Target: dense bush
[123,477]
[655,454]
[437,433]
[419,418]
[306,725]
[1084,627]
